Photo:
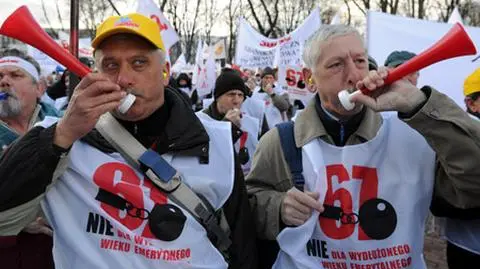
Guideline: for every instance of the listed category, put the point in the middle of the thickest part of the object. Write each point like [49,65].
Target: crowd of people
[244,177]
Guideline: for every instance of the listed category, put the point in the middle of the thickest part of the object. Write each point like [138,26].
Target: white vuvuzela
[126,103]
[345,96]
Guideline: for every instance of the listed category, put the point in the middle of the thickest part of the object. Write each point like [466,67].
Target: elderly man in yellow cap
[107,210]
[462,226]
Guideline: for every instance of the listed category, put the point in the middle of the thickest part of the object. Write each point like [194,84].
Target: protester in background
[276,101]
[20,109]
[397,58]
[184,83]
[229,94]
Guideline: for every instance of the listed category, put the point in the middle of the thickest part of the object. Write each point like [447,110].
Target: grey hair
[311,51]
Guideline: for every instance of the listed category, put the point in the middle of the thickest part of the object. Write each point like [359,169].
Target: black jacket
[213,112]
[27,166]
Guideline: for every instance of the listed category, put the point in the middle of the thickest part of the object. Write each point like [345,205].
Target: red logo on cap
[126,21]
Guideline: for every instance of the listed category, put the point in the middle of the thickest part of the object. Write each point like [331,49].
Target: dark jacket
[186,136]
[213,112]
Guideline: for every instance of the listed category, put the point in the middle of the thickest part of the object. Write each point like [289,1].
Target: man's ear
[309,81]
[469,103]
[307,76]
[40,87]
[166,73]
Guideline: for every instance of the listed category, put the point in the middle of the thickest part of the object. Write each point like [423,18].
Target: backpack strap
[293,155]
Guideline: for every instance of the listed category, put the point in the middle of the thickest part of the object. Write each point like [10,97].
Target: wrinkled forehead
[10,69]
[342,46]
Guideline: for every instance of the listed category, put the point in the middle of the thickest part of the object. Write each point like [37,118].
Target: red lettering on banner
[268,44]
[121,179]
[368,190]
[291,77]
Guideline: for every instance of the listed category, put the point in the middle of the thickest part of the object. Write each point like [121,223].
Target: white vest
[206,102]
[397,166]
[273,115]
[251,131]
[90,234]
[254,108]
[464,233]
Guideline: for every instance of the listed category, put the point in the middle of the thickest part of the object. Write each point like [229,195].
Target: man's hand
[94,96]
[39,226]
[234,116]
[297,206]
[268,89]
[401,96]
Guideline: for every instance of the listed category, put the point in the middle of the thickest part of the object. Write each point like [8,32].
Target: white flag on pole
[151,10]
[455,17]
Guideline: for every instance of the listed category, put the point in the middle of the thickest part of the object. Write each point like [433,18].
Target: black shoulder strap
[293,155]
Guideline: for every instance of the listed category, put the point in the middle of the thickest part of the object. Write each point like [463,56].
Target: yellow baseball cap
[472,83]
[133,23]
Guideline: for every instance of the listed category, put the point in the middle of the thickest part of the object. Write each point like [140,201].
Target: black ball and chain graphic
[376,217]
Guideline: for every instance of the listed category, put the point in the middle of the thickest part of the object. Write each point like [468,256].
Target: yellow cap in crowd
[133,23]
[472,83]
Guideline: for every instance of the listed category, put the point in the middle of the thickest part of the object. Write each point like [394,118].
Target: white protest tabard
[254,50]
[151,10]
[387,33]
[292,81]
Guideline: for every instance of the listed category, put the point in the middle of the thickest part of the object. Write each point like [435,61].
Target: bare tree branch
[44,9]
[59,15]
[255,16]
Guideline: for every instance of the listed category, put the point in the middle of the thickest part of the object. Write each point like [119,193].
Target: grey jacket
[451,133]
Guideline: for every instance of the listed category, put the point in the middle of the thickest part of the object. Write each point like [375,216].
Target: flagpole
[74,18]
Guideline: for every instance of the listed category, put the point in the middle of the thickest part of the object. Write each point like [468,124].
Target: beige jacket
[451,133]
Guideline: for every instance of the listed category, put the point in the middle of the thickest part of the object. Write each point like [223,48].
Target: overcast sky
[35,7]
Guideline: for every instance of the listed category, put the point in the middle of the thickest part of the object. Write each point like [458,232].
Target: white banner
[206,76]
[47,64]
[84,44]
[255,50]
[387,33]
[151,10]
